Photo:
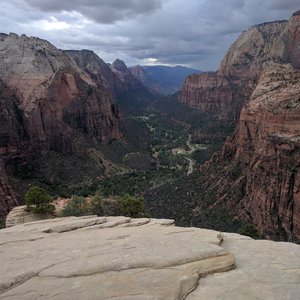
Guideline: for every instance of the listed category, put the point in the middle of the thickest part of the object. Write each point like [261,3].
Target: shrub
[2,223]
[131,206]
[250,230]
[96,204]
[39,201]
[76,207]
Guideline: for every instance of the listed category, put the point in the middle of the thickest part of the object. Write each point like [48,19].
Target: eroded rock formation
[123,258]
[48,102]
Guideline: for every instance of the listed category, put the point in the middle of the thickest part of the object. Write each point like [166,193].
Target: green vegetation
[2,223]
[131,206]
[99,205]
[160,137]
[249,230]
[76,207]
[39,201]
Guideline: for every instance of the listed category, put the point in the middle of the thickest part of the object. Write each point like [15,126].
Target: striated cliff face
[287,47]
[266,145]
[256,177]
[223,93]
[57,98]
[48,102]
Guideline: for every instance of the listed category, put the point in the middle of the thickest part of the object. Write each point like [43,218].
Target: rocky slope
[48,103]
[128,91]
[255,178]
[223,93]
[55,96]
[125,258]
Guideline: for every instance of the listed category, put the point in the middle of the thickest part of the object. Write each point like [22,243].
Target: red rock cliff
[223,93]
[48,102]
[266,146]
[57,98]
[256,176]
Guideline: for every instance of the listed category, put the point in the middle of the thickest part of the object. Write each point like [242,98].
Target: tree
[131,206]
[78,206]
[96,204]
[39,201]
[250,230]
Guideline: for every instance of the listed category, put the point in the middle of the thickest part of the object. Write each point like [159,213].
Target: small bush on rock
[39,201]
[250,230]
[131,206]
[78,206]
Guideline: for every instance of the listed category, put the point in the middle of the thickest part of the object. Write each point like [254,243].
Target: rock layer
[148,260]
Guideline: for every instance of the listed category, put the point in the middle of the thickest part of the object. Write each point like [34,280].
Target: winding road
[182,151]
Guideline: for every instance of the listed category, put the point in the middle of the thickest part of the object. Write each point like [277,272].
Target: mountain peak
[119,65]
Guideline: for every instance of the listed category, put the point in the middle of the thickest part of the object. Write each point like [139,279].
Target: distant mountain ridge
[163,79]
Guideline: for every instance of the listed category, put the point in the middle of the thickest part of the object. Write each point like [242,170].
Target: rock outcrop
[224,92]
[99,70]
[123,258]
[20,215]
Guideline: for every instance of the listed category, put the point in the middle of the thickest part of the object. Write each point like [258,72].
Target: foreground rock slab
[122,258]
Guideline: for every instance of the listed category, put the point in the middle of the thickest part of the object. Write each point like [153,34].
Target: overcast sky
[194,33]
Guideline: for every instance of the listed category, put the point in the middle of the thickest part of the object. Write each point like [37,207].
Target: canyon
[255,177]
[71,102]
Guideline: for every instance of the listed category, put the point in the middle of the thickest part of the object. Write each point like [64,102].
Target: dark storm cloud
[103,11]
[192,32]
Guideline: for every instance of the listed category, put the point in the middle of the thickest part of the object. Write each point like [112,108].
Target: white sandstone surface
[121,258]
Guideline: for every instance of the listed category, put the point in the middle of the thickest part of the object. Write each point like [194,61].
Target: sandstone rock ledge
[121,258]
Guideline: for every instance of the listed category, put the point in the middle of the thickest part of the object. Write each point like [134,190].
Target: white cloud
[51,24]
